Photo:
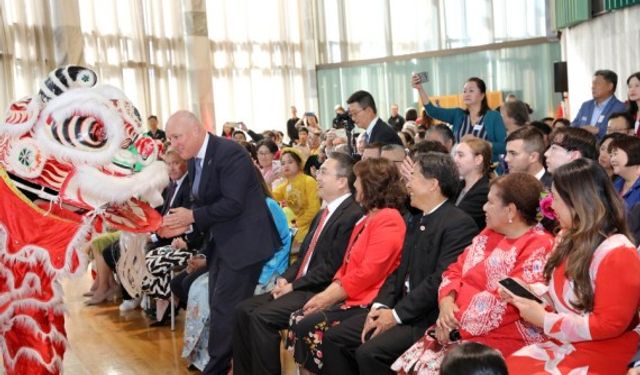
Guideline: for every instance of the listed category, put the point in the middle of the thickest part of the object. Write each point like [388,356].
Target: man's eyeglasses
[353,114]
[557,147]
[324,172]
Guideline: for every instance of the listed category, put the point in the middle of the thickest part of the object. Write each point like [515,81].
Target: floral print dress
[484,317]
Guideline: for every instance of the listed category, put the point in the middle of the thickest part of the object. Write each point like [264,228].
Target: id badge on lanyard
[478,128]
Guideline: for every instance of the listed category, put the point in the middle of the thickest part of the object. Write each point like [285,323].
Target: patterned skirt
[159,262]
[196,327]
[422,358]
[306,332]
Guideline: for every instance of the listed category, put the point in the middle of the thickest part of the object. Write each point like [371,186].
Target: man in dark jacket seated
[258,320]
[408,301]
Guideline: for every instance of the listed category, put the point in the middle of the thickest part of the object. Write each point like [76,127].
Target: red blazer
[373,254]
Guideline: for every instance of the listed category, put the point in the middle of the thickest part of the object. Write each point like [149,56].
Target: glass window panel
[414,26]
[515,70]
[365,28]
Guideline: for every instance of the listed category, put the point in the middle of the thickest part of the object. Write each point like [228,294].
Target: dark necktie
[196,178]
[170,193]
[366,138]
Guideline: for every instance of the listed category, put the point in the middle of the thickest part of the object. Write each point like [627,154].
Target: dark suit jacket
[183,199]
[474,200]
[546,180]
[330,248]
[231,208]
[159,135]
[292,131]
[384,134]
[425,255]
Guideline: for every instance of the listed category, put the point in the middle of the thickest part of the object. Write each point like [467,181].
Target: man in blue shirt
[594,114]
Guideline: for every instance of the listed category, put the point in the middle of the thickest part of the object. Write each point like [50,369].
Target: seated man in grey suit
[256,338]
[594,114]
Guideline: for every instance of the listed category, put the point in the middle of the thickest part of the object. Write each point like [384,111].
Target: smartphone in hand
[517,289]
[424,77]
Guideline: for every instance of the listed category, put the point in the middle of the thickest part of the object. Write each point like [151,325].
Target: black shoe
[165,318]
[151,312]
[159,323]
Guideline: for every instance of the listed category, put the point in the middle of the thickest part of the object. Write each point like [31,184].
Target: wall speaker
[560,82]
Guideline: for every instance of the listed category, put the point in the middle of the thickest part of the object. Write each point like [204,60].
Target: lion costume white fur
[72,145]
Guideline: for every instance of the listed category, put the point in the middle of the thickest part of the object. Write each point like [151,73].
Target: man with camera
[363,112]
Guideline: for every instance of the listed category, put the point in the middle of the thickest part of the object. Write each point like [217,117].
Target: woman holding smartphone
[477,120]
[593,282]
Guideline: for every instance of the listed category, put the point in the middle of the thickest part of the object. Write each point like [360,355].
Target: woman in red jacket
[372,254]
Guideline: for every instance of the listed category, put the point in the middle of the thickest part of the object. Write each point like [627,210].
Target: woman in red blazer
[373,254]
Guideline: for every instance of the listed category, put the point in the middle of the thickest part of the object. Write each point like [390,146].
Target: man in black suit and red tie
[364,114]
[230,209]
[256,338]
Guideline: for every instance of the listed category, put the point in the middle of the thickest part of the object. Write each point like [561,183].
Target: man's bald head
[186,134]
[184,119]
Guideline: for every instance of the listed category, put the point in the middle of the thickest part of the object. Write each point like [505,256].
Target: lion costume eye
[82,132]
[81,126]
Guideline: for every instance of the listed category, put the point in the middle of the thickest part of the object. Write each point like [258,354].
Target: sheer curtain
[138,46]
[257,56]
[26,52]
[256,47]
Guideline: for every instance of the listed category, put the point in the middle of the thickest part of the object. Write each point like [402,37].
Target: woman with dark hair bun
[372,255]
[593,282]
[477,120]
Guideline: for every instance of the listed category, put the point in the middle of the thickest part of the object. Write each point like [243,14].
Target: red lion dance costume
[78,151]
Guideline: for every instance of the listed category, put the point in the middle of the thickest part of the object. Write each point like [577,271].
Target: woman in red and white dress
[512,245]
[593,275]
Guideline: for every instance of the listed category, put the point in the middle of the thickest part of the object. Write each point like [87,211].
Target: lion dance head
[73,157]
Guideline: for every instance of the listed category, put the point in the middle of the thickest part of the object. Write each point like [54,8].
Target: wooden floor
[102,340]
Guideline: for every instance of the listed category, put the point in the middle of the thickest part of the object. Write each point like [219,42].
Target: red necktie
[312,246]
